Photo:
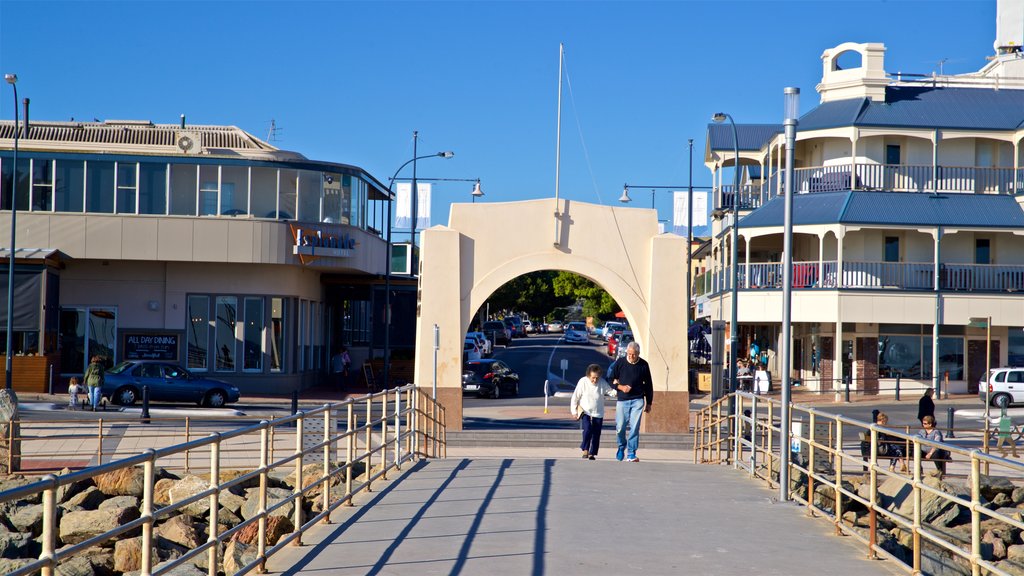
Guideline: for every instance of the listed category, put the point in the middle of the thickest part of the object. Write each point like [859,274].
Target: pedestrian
[926,406]
[762,382]
[632,380]
[73,391]
[938,456]
[341,366]
[94,376]
[1005,433]
[587,406]
[890,446]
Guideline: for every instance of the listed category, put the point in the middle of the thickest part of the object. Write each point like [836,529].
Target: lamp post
[387,255]
[791,111]
[476,193]
[734,336]
[986,323]
[12,79]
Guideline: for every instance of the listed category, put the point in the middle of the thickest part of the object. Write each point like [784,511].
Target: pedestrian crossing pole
[546,394]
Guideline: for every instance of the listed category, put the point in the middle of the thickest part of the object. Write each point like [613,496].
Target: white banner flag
[403,211]
[700,209]
[680,209]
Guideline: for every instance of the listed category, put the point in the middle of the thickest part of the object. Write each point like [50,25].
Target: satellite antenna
[273,131]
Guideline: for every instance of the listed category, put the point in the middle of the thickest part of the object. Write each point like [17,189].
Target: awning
[620,314]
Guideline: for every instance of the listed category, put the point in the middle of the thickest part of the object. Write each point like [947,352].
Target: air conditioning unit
[188,142]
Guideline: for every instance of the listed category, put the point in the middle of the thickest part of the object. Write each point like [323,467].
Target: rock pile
[89,508]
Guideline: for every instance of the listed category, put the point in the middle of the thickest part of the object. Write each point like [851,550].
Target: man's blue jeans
[628,411]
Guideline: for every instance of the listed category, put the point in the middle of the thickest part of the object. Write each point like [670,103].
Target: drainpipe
[936,380]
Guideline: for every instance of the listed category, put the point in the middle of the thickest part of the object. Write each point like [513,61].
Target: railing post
[147,513]
[188,438]
[367,456]
[444,432]
[299,480]
[812,439]
[949,422]
[410,427]
[873,503]
[753,436]
[917,508]
[846,382]
[326,477]
[384,435]
[398,429]
[838,465]
[261,530]
[350,445]
[975,514]
[49,536]
[416,423]
[214,501]
[737,423]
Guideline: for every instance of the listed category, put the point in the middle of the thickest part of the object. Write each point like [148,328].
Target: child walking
[73,391]
[587,406]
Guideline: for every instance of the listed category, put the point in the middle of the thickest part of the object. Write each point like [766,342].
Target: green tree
[532,293]
[597,302]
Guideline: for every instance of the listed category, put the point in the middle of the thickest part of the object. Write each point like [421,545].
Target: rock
[10,428]
[1002,499]
[123,482]
[228,475]
[992,485]
[236,556]
[227,518]
[231,502]
[17,481]
[188,487]
[277,526]
[76,566]
[274,495]
[78,527]
[88,499]
[180,530]
[18,545]
[996,547]
[186,569]
[160,491]
[1015,552]
[8,565]
[1017,496]
[28,519]
[120,502]
[66,491]
[897,495]
[128,554]
[102,559]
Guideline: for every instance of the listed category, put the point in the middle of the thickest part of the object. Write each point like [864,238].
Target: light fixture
[446,154]
[719,117]
[477,192]
[11,78]
[625,194]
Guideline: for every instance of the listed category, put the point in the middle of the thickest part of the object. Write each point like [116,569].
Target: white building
[907,222]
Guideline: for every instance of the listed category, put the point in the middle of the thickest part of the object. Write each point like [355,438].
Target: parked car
[576,334]
[167,382]
[489,378]
[621,342]
[1006,388]
[529,327]
[554,326]
[497,332]
[610,328]
[470,349]
[482,341]
[518,329]
[613,342]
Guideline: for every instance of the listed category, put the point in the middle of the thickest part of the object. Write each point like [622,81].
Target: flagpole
[558,135]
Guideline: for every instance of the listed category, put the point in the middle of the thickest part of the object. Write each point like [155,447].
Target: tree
[597,302]
[531,293]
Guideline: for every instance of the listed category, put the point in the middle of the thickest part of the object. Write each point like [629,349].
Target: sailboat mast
[558,134]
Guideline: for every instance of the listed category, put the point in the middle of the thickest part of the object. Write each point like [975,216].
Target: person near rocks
[938,456]
[73,391]
[891,446]
[865,438]
[1005,434]
[632,380]
[587,406]
[926,406]
[94,376]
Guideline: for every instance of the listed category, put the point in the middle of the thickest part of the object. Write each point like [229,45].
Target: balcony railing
[867,275]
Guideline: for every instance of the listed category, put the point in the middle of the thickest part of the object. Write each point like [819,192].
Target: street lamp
[12,79]
[387,255]
[477,192]
[791,112]
[734,255]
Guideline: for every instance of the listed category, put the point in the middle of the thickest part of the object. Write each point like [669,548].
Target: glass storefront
[84,333]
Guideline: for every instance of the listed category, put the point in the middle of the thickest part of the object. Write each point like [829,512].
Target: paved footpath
[496,516]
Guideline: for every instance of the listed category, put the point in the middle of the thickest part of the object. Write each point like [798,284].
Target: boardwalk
[516,516]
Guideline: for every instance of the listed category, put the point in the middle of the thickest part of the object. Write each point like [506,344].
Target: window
[7,183]
[42,185]
[287,198]
[309,195]
[209,190]
[84,333]
[99,187]
[234,193]
[892,249]
[1015,347]
[951,357]
[277,318]
[264,192]
[127,187]
[198,332]
[152,188]
[183,189]
[69,186]
[892,154]
[1015,376]
[253,335]
[982,251]
[899,355]
[303,327]
[227,343]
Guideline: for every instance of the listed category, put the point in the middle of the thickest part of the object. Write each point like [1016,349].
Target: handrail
[401,418]
[825,464]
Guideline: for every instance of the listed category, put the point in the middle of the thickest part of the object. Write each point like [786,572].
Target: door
[976,362]
[867,364]
[821,361]
[893,178]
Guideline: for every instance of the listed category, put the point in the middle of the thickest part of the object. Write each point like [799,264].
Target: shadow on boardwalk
[567,516]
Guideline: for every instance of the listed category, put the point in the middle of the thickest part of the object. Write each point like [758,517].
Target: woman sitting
[890,446]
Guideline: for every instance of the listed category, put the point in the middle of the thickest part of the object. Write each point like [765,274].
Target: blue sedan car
[167,383]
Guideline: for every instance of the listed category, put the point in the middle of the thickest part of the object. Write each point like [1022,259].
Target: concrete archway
[487,244]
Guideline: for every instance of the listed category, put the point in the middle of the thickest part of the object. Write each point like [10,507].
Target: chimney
[1009,26]
[182,121]
[26,119]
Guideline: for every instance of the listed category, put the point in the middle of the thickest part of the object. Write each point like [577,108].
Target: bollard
[295,402]
[846,380]
[145,405]
[897,386]
[949,422]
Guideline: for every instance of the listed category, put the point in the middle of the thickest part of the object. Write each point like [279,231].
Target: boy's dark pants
[591,434]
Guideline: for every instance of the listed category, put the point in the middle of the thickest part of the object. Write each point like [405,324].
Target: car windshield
[482,368]
[580,326]
[122,367]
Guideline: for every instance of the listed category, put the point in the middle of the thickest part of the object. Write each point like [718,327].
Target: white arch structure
[487,244]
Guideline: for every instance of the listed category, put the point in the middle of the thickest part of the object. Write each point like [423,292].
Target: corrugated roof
[893,208]
[749,136]
[925,107]
[134,133]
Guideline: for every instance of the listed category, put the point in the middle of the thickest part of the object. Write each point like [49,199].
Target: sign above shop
[311,243]
[141,346]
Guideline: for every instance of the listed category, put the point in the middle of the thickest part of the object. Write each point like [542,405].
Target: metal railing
[380,432]
[914,516]
[901,178]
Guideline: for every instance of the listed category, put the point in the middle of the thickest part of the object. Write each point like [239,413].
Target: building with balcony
[907,223]
[201,245]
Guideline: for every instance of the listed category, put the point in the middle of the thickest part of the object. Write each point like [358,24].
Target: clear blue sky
[349,81]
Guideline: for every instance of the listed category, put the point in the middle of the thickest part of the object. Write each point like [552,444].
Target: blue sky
[350,81]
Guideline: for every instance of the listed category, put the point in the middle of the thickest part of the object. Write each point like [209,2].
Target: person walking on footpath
[94,376]
[926,406]
[587,406]
[632,380]
[73,391]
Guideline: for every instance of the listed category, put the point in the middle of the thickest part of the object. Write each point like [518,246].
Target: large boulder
[88,499]
[65,491]
[186,488]
[77,565]
[180,530]
[896,494]
[993,544]
[128,553]
[8,565]
[28,519]
[123,482]
[236,556]
[274,496]
[18,545]
[120,502]
[992,485]
[161,497]
[78,527]
[228,475]
[17,481]
[186,569]
[277,526]
[232,502]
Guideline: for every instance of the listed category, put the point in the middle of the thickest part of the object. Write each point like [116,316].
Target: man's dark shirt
[638,377]
[925,407]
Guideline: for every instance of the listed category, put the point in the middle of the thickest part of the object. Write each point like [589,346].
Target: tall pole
[689,239]
[792,100]
[558,135]
[734,337]
[415,215]
[12,79]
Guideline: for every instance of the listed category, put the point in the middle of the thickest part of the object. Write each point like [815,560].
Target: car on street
[621,342]
[554,326]
[470,349]
[501,335]
[529,327]
[489,378]
[613,343]
[167,382]
[516,324]
[576,334]
[482,341]
[610,328]
[1004,388]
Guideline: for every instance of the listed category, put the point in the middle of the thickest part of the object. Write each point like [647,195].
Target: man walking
[926,406]
[632,380]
